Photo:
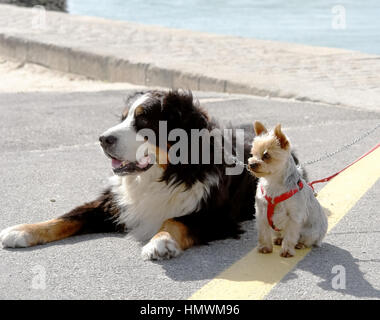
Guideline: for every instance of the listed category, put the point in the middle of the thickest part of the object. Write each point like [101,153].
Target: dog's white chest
[146,202]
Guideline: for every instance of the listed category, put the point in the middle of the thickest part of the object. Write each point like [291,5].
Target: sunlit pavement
[51,162]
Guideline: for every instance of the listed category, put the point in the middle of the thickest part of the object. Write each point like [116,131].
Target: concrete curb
[120,51]
[113,69]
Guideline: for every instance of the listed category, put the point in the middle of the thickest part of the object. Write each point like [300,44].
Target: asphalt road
[50,162]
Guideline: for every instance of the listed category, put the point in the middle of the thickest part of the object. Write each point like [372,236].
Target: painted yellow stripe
[253,276]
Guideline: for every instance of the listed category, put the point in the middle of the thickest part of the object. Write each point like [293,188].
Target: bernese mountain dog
[171,206]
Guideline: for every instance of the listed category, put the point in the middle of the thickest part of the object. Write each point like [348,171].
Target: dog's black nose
[107,140]
[253,166]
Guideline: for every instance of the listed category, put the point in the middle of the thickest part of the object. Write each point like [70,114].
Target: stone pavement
[157,56]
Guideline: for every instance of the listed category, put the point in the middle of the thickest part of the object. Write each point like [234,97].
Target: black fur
[232,201]
[97,216]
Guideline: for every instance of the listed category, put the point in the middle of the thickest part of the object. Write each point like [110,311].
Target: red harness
[273,202]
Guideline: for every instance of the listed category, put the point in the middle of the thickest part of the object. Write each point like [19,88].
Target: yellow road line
[253,276]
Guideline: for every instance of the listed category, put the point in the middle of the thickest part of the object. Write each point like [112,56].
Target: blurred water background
[300,21]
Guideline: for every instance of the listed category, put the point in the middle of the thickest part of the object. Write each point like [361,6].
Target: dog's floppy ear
[282,139]
[259,128]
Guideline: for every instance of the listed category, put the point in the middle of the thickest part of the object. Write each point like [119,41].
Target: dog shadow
[207,263]
[330,256]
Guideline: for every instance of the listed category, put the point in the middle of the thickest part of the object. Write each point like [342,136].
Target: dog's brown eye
[139,111]
[266,156]
[141,121]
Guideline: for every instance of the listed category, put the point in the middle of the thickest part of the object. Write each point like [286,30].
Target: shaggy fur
[301,219]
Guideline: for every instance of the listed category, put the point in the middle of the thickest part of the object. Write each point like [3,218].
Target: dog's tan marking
[177,231]
[262,145]
[52,230]
[284,143]
[259,128]
[162,157]
[139,110]
[124,115]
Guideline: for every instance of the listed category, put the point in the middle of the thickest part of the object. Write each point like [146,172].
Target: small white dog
[285,203]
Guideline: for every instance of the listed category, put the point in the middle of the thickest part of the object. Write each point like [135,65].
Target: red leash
[335,174]
[272,202]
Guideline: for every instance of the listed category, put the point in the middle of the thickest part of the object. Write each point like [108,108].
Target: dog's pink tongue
[143,162]
[116,163]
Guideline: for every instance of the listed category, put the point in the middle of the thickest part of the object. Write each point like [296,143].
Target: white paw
[163,247]
[14,237]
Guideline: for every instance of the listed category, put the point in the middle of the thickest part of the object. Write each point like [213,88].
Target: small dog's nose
[107,140]
[253,166]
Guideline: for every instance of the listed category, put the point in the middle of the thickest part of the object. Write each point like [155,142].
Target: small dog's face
[270,151]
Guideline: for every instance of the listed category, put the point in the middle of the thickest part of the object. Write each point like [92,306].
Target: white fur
[146,202]
[128,143]
[163,247]
[14,237]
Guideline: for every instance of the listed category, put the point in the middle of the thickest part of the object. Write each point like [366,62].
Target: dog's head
[270,151]
[140,140]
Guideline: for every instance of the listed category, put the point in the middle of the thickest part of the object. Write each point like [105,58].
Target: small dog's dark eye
[266,156]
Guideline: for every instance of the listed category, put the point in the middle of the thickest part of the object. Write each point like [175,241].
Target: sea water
[349,24]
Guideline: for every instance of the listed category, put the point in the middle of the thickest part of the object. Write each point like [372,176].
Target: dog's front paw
[162,246]
[287,253]
[15,237]
[265,249]
[300,246]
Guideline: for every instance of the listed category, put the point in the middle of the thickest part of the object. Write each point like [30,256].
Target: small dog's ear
[284,143]
[259,128]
